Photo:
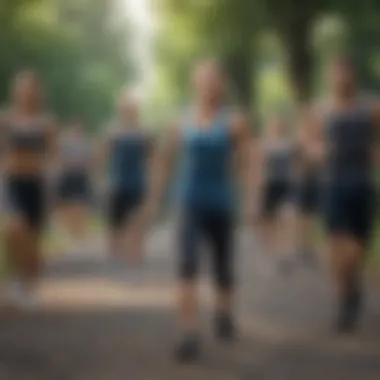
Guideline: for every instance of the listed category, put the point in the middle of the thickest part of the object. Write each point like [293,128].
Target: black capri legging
[216,227]
[73,187]
[27,198]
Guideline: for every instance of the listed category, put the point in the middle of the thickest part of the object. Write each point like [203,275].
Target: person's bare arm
[3,144]
[376,119]
[311,136]
[101,152]
[151,146]
[161,166]
[258,167]
[245,152]
[52,151]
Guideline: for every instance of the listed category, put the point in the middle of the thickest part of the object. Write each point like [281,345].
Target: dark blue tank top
[279,161]
[350,141]
[128,160]
[31,138]
[206,171]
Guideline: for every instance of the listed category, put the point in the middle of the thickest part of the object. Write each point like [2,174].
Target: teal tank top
[206,180]
[128,160]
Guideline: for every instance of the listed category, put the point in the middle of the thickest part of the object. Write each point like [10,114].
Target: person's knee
[355,249]
[224,277]
[188,270]
[17,227]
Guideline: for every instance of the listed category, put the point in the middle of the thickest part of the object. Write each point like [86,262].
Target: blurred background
[275,51]
[86,50]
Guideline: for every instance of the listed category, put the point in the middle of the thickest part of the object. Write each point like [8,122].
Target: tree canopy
[76,46]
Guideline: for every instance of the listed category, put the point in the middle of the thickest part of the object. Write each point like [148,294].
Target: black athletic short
[308,195]
[276,194]
[74,187]
[27,198]
[349,208]
[122,204]
[216,227]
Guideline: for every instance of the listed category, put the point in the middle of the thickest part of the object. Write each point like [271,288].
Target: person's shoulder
[236,114]
[49,121]
[320,107]
[185,117]
[372,105]
[111,130]
[370,100]
[4,116]
[238,119]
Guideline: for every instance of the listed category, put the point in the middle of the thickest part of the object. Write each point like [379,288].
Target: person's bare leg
[115,243]
[134,244]
[306,241]
[284,238]
[267,235]
[305,228]
[291,218]
[33,259]
[188,306]
[23,256]
[189,346]
[74,219]
[347,259]
[15,242]
[79,219]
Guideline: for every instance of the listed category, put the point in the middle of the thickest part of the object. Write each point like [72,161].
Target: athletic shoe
[188,349]
[350,310]
[224,328]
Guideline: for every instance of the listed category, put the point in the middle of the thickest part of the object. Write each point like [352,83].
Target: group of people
[324,169]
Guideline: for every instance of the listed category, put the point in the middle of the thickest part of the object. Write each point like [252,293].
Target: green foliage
[76,47]
[231,29]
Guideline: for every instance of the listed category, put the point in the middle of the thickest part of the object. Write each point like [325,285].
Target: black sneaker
[350,310]
[188,349]
[225,328]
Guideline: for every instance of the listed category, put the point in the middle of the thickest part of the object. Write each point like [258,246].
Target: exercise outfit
[129,152]
[26,193]
[348,190]
[277,185]
[207,199]
[74,183]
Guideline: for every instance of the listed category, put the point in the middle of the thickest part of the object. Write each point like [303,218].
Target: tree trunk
[296,34]
[362,48]
[240,70]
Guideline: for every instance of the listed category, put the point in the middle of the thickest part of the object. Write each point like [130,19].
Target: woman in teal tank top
[127,151]
[210,138]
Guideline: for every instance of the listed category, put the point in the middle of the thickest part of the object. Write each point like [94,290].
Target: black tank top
[279,161]
[309,171]
[349,143]
[27,141]
[29,138]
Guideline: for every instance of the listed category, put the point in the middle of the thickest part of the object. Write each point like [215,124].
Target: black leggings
[122,204]
[27,198]
[216,227]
